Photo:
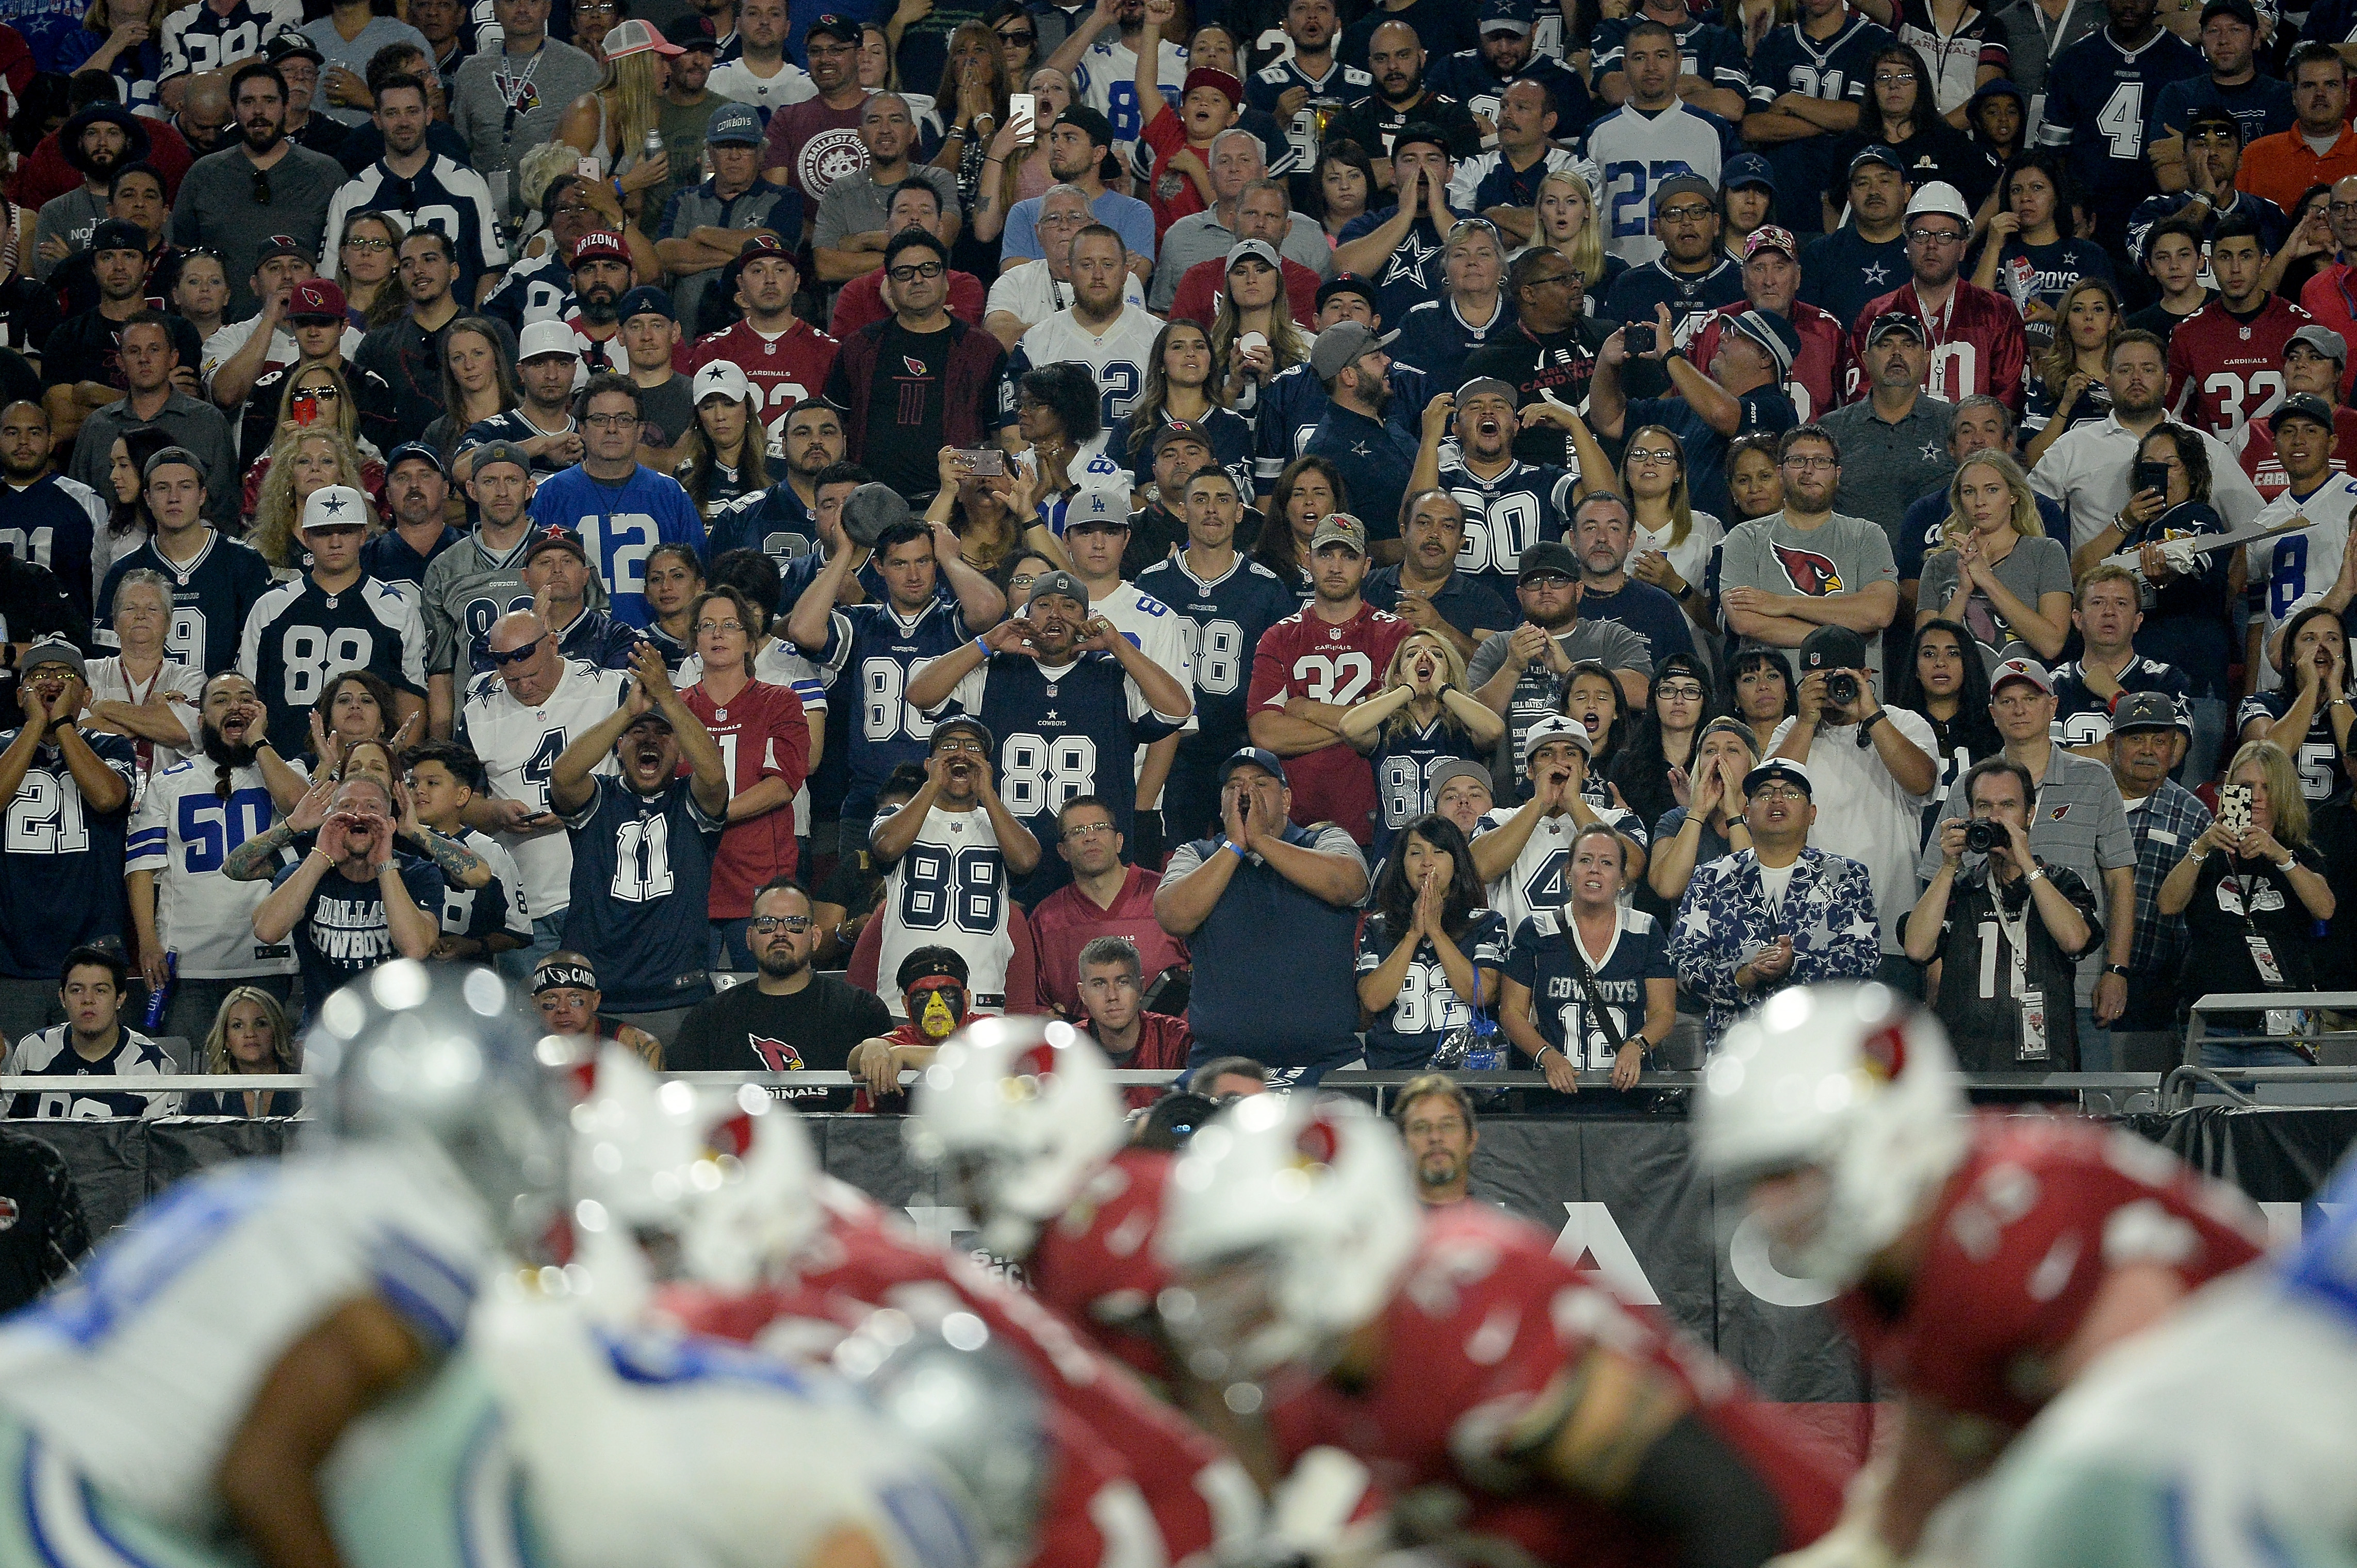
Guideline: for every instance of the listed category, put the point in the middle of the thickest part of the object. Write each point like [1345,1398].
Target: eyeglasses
[262,188]
[2341,208]
[513,655]
[368,247]
[1935,236]
[1550,281]
[708,627]
[919,270]
[1808,464]
[764,925]
[1087,831]
[1018,37]
[1647,456]
[1683,692]
[1544,580]
[1682,214]
[1022,580]
[1780,792]
[610,421]
[959,743]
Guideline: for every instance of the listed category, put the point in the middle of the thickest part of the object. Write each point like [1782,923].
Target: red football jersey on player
[2257,452]
[2022,1237]
[763,733]
[1096,1264]
[786,370]
[1090,1494]
[1196,1494]
[1486,1330]
[1977,347]
[1818,368]
[2223,370]
[1304,655]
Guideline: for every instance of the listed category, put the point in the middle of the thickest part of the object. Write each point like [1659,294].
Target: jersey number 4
[2122,120]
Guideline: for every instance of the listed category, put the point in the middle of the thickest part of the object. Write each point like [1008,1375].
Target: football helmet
[1289,1222]
[1853,1082]
[1019,1112]
[443,1056]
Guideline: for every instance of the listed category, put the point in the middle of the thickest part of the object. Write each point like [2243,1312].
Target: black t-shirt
[744,1029]
[29,314]
[2159,320]
[1981,986]
[19,382]
[88,349]
[901,455]
[2219,958]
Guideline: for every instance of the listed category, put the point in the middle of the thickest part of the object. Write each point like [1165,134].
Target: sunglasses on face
[513,655]
[765,925]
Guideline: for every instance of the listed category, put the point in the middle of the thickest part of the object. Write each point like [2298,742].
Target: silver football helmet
[444,1058]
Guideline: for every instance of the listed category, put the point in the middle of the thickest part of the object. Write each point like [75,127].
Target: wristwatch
[2119,969]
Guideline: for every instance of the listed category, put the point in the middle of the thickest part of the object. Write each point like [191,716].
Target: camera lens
[1982,837]
[1841,690]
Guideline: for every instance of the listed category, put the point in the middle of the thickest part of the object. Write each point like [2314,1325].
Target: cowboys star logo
[776,1055]
[1875,275]
[1809,572]
[1407,262]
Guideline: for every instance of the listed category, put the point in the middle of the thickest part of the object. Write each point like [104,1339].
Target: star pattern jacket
[1827,910]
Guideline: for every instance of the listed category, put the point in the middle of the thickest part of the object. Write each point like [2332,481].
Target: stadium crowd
[1696,505]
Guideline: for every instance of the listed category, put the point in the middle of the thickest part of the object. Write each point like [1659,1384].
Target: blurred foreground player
[1457,1352]
[1984,1262]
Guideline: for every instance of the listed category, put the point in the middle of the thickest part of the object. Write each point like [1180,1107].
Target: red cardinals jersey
[2256,452]
[1817,372]
[1196,1495]
[1483,1347]
[762,734]
[786,370]
[1097,1268]
[1976,346]
[2021,1240]
[1304,655]
[2223,370]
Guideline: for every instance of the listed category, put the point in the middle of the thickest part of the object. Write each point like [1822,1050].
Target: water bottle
[161,997]
[654,147]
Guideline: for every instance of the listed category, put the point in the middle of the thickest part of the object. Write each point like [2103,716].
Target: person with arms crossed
[1808,90]
[2099,92]
[91,1044]
[2165,818]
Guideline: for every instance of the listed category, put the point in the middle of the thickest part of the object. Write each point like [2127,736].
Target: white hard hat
[1937,196]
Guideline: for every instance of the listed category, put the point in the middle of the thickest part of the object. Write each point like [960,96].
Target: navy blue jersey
[1836,70]
[390,558]
[2098,99]
[1224,620]
[870,655]
[1705,49]
[1404,762]
[1541,958]
[212,597]
[53,523]
[2083,718]
[1468,77]
[619,525]
[597,638]
[298,638]
[2262,106]
[343,930]
[1294,401]
[674,653]
[1645,610]
[1691,297]
[1231,446]
[513,426]
[533,291]
[61,876]
[1061,733]
[2322,774]
[1843,273]
[1525,504]
[773,521]
[1435,338]
[445,197]
[1415,270]
[641,892]
[1402,1036]
[49,1054]
[1376,460]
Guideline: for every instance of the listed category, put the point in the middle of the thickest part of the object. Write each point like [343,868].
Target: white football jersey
[189,821]
[519,747]
[948,890]
[2295,566]
[1638,152]
[1030,294]
[142,1370]
[459,901]
[1117,356]
[1536,880]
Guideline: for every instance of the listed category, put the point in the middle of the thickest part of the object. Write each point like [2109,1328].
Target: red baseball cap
[316,298]
[601,242]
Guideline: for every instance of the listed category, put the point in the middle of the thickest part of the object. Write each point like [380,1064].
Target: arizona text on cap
[545,338]
[1554,726]
[1254,757]
[1061,585]
[601,244]
[1781,767]
[720,378]
[1340,528]
[335,505]
[2028,669]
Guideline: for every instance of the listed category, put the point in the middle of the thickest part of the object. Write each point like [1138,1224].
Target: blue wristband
[981,648]
[1231,844]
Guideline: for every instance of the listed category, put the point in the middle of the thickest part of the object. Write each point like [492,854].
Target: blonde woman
[364,266]
[478,382]
[1567,224]
[1996,573]
[611,123]
[1423,714]
[1254,303]
[1673,542]
[1014,164]
[2066,384]
[306,460]
[251,1036]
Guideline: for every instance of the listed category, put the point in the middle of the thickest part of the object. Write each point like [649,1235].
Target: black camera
[1982,836]
[1841,689]
[1638,336]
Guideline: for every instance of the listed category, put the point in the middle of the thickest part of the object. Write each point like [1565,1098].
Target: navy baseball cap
[1254,756]
[420,451]
[647,300]
[1746,169]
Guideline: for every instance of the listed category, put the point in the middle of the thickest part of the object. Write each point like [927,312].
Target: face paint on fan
[937,1006]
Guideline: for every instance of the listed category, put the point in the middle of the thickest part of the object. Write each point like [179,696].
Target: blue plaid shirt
[2165,828]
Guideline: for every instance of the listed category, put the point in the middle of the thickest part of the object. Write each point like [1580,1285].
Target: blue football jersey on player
[621,525]
[211,597]
[1404,764]
[299,638]
[641,890]
[871,653]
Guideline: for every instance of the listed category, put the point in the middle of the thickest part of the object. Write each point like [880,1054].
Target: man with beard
[548,356]
[216,580]
[134,195]
[232,201]
[814,142]
[1508,505]
[217,36]
[416,496]
[46,519]
[1100,329]
[556,569]
[1478,78]
[789,1017]
[854,221]
[781,520]
[1310,77]
[639,892]
[1436,1121]
[913,204]
[1975,335]
[1687,271]
[96,142]
[687,109]
[82,369]
[542,290]
[1844,269]
[1310,668]
[1519,674]
[600,273]
[351,903]
[1078,144]
[1402,248]
[617,507]
[1783,575]
[1027,293]
[68,792]
[758,72]
[1396,57]
[705,227]
[785,359]
[423,190]
[1549,354]
[190,817]
[918,382]
[399,366]
[1772,283]
[513,92]
[1378,457]
[149,359]
[1058,673]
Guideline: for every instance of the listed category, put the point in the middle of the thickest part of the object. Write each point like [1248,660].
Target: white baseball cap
[1937,196]
[335,505]
[547,337]
[721,377]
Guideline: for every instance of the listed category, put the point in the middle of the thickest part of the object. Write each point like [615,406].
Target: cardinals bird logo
[916,367]
[1809,572]
[776,1055]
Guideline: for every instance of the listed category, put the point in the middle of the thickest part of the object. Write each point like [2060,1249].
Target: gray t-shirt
[353,56]
[1886,467]
[855,204]
[1200,236]
[216,207]
[669,408]
[1840,555]
[2033,566]
[2077,820]
[1538,691]
[560,73]
[72,218]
